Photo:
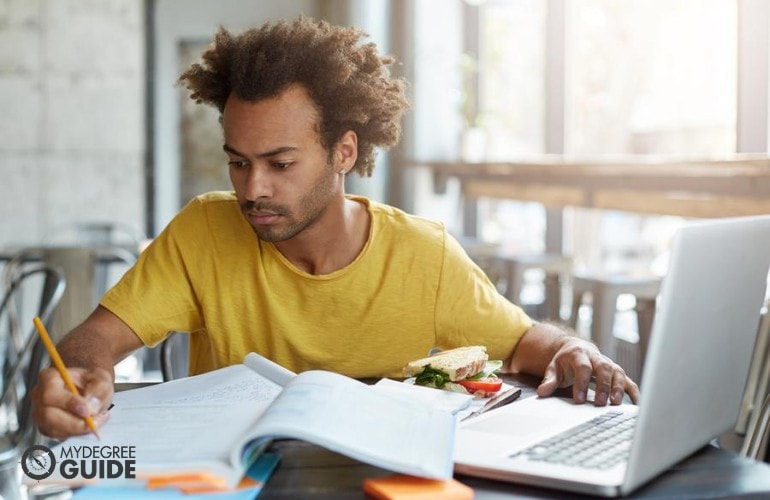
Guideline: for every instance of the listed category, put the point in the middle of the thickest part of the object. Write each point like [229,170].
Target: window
[640,77]
[511,79]
[652,77]
[641,82]
[510,57]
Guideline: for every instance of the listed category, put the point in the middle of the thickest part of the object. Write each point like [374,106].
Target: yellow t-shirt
[410,289]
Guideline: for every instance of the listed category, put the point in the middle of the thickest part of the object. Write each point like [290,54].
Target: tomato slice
[489,385]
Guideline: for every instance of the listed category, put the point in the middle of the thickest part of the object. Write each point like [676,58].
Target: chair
[556,269]
[754,418]
[758,380]
[757,442]
[604,291]
[508,271]
[94,255]
[173,356]
[96,234]
[80,266]
[114,242]
[483,254]
[24,353]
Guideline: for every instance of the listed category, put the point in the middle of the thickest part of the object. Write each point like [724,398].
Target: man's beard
[311,206]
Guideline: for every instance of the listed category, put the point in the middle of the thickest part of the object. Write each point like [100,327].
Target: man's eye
[282,165]
[237,164]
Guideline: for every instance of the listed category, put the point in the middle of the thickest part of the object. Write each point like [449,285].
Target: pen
[59,364]
[502,399]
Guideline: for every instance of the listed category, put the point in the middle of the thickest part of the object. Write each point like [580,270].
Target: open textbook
[216,424]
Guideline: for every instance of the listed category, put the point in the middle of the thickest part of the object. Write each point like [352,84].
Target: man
[289,266]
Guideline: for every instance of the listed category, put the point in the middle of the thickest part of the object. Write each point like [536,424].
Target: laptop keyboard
[599,443]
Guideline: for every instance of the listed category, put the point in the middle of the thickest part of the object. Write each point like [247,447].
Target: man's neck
[332,242]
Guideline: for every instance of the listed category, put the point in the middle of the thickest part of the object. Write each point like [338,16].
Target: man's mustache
[262,206]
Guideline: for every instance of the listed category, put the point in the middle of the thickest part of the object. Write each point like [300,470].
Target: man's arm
[563,360]
[90,352]
[101,341]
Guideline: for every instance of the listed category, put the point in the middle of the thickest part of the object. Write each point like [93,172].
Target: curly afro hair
[348,80]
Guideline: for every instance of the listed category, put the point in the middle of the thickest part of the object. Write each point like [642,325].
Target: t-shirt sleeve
[470,310]
[159,293]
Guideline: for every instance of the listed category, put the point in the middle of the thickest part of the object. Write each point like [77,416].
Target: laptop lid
[696,366]
[702,341]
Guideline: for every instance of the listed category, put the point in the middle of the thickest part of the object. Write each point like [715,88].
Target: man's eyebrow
[266,154]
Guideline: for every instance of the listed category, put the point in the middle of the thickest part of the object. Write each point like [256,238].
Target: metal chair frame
[25,354]
[757,442]
[174,356]
[754,418]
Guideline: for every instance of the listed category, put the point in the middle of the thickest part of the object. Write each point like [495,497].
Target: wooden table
[308,471]
[731,187]
[709,188]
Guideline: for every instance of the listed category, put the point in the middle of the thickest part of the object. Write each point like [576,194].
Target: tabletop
[308,471]
[709,188]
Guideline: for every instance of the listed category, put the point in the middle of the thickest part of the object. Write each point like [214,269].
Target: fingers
[60,424]
[570,366]
[577,363]
[605,376]
[582,376]
[96,389]
[632,389]
[612,383]
[550,382]
[59,413]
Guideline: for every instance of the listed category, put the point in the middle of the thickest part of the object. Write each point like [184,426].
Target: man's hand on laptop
[576,363]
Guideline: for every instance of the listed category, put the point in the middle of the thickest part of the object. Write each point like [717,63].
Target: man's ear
[346,152]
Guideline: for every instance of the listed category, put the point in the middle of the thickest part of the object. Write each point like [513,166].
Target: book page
[231,384]
[177,438]
[349,417]
[269,369]
[187,424]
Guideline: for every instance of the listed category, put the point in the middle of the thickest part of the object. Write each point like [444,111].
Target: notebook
[694,373]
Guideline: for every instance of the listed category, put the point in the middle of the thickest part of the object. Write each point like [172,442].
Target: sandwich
[463,369]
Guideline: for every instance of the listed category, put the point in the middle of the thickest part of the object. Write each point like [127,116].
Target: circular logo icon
[38,462]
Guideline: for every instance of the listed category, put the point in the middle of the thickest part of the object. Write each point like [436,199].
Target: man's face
[282,176]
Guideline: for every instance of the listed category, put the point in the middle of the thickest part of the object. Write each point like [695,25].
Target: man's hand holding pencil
[69,399]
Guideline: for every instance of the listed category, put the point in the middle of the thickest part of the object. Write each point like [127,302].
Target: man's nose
[258,184]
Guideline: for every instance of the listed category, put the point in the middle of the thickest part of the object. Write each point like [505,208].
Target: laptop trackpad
[519,424]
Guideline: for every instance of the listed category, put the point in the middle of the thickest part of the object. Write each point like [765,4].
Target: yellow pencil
[59,364]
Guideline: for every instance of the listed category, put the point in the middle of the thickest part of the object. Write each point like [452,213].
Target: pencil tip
[92,426]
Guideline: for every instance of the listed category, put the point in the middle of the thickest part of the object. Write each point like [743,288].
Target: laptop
[695,370]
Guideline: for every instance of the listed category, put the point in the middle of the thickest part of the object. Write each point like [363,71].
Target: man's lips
[262,217]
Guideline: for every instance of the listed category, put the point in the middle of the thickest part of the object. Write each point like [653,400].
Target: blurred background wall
[72,115]
[92,125]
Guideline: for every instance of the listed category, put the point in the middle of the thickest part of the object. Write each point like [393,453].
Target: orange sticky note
[192,482]
[402,487]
